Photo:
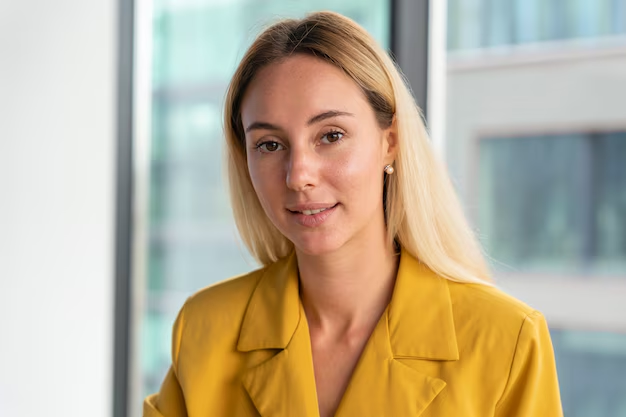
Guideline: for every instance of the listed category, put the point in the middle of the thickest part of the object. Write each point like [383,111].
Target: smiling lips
[309,212]
[309,209]
[312,215]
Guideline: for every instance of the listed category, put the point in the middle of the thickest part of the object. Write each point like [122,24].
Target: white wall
[57,143]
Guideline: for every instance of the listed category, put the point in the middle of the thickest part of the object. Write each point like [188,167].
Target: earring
[389,169]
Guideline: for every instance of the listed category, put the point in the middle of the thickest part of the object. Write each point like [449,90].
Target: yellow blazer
[242,348]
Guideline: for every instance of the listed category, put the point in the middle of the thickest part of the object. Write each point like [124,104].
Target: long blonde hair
[422,211]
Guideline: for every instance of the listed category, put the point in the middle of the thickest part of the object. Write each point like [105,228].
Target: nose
[302,169]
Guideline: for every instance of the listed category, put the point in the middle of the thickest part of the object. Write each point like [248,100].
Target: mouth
[313,211]
[312,215]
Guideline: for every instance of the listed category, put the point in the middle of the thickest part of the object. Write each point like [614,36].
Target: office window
[527,28]
[475,24]
[566,213]
[191,238]
[591,367]
[499,28]
[464,28]
[535,140]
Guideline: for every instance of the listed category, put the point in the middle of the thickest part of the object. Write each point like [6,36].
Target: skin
[313,139]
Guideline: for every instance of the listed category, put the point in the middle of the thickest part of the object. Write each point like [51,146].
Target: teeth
[310,212]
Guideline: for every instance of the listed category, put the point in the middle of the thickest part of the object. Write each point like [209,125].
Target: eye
[332,137]
[269,147]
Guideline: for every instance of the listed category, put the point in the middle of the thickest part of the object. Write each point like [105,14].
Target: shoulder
[496,330]
[487,314]
[216,310]
[511,339]
[211,318]
[228,297]
[476,300]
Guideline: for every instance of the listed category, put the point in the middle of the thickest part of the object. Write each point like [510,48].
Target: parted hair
[422,211]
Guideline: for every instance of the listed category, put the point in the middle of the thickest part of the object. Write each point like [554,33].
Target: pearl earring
[389,169]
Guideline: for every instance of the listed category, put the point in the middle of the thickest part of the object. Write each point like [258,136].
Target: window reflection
[488,23]
[591,367]
[566,214]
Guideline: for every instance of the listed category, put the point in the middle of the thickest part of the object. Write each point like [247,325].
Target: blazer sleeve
[532,388]
[170,400]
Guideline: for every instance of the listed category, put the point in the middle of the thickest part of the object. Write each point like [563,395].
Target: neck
[350,288]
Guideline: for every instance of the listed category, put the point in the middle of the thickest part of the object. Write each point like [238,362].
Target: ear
[390,142]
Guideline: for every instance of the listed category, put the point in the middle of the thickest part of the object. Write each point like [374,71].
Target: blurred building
[536,143]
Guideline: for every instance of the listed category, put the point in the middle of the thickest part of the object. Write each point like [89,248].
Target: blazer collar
[417,324]
[421,322]
[420,318]
[284,385]
[274,309]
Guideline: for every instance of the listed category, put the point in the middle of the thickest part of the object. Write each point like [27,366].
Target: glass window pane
[533,219]
[565,214]
[474,24]
[535,139]
[618,16]
[610,202]
[499,25]
[527,17]
[470,24]
[592,369]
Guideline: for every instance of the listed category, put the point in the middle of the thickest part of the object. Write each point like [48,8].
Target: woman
[375,298]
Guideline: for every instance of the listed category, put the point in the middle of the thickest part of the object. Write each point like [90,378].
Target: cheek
[265,180]
[358,174]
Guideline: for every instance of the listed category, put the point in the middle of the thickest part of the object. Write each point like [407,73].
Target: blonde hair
[422,211]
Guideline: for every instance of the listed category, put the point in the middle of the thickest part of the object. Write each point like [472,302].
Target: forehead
[295,88]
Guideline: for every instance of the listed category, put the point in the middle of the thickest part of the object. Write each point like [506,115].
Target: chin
[317,245]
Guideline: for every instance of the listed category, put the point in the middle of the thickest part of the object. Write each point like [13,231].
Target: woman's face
[316,154]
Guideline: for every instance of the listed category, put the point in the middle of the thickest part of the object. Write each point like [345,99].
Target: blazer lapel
[284,385]
[381,386]
[421,321]
[417,325]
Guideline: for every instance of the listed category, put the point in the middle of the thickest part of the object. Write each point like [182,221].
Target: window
[591,367]
[488,23]
[555,203]
[535,139]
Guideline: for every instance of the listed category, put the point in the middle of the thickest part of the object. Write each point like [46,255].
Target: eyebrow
[315,119]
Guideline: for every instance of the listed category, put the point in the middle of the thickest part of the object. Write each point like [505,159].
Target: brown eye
[332,137]
[269,146]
